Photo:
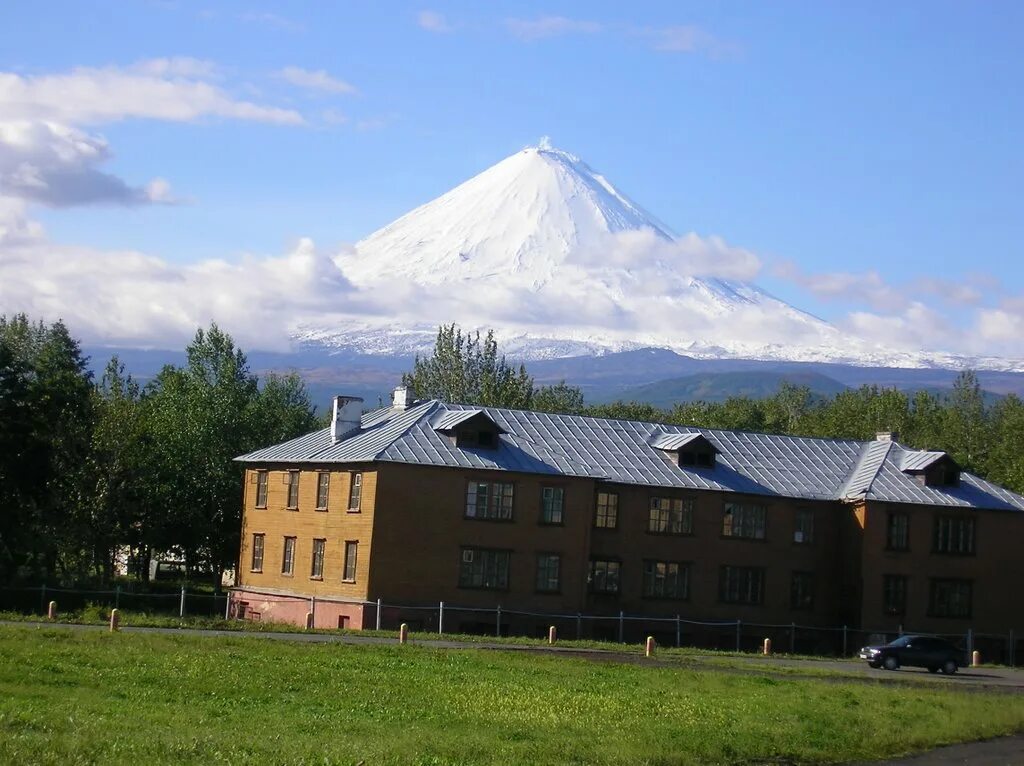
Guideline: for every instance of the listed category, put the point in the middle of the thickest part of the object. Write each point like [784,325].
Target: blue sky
[869,153]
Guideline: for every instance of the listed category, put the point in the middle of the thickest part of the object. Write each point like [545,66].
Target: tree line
[987,440]
[95,469]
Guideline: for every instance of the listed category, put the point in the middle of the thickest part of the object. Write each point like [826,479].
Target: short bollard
[309,621]
[975,659]
[51,613]
[649,646]
[552,635]
[403,633]
[115,620]
[767,646]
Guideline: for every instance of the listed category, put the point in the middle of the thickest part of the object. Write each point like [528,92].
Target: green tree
[966,426]
[560,398]
[464,370]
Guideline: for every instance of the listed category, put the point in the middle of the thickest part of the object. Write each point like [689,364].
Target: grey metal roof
[912,460]
[630,452]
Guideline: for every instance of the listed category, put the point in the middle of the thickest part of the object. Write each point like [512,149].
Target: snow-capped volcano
[548,253]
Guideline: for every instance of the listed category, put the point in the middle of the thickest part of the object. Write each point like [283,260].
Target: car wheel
[949,667]
[891,663]
[875,665]
[933,669]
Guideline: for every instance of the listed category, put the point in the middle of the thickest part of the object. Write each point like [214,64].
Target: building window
[484,568]
[607,516]
[257,553]
[316,569]
[898,534]
[741,585]
[746,521]
[666,579]
[553,502]
[803,528]
[954,535]
[261,489]
[292,480]
[894,595]
[355,492]
[489,500]
[604,576]
[323,489]
[801,592]
[288,558]
[700,459]
[549,566]
[950,598]
[671,516]
[351,551]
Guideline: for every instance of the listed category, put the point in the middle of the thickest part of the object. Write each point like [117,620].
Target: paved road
[1005,751]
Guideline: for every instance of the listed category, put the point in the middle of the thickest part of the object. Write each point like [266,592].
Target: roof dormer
[470,429]
[690,450]
[932,469]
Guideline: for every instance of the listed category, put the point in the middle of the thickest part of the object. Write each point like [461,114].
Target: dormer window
[688,450]
[931,469]
[470,429]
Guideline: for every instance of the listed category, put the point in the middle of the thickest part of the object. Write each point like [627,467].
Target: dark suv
[916,651]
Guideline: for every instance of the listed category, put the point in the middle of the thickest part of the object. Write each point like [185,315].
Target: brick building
[423,502]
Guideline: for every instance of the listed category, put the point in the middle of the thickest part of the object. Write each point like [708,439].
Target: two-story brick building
[423,502]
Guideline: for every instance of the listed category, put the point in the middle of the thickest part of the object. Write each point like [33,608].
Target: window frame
[546,557]
[893,532]
[262,548]
[800,600]
[747,573]
[355,492]
[323,490]
[293,483]
[805,530]
[316,559]
[935,583]
[610,510]
[685,509]
[681,592]
[499,500]
[895,607]
[608,565]
[262,488]
[952,543]
[729,513]
[546,509]
[288,554]
[350,561]
[501,572]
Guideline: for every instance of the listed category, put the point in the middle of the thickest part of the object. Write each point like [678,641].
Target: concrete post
[767,649]
[115,620]
[51,613]
[975,659]
[552,635]
[379,605]
[649,646]
[309,621]
[181,605]
[440,618]
[403,633]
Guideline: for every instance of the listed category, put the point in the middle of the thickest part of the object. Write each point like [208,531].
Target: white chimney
[401,398]
[345,421]
[886,436]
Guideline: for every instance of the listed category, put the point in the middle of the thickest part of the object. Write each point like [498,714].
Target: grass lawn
[68,697]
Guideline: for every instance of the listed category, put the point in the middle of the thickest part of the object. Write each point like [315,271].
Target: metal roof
[911,460]
[630,452]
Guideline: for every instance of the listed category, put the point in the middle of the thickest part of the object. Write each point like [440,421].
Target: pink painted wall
[267,607]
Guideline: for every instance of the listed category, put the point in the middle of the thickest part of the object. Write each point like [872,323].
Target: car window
[901,642]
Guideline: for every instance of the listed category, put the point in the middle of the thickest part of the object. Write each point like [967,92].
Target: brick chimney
[345,421]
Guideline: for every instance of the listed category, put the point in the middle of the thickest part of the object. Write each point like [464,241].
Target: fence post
[579,626]
[498,622]
[379,605]
[792,638]
[227,606]
[312,610]
[51,614]
[970,642]
[679,632]
[622,626]
[845,650]
[739,634]
[181,606]
[440,619]
[117,597]
[1012,661]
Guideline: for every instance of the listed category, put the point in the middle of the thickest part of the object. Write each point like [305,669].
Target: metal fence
[442,618]
[181,602]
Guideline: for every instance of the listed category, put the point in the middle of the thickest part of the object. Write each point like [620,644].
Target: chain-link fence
[182,602]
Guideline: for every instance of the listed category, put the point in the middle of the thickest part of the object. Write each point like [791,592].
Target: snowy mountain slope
[558,262]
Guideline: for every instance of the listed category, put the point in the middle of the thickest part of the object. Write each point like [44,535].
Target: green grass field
[94,697]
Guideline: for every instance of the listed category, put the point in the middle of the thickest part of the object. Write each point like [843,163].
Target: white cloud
[550,26]
[687,38]
[432,21]
[317,80]
[272,20]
